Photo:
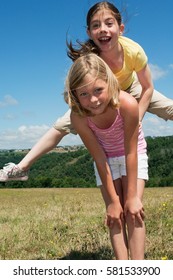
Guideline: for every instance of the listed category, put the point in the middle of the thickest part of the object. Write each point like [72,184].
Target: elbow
[149,92]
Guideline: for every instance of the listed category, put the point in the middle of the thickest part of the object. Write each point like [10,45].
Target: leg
[160,105]
[44,145]
[136,233]
[117,236]
[19,171]
[61,127]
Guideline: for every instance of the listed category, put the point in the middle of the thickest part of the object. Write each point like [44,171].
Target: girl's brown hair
[89,46]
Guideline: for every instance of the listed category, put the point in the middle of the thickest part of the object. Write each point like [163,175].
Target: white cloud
[70,140]
[8,101]
[22,138]
[26,136]
[155,126]
[157,72]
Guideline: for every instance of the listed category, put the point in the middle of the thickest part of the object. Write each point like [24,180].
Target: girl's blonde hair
[95,66]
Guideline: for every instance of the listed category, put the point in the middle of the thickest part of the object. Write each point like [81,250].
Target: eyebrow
[97,20]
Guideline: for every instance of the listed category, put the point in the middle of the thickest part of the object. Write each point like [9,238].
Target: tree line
[75,168]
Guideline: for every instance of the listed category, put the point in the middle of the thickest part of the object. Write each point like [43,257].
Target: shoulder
[76,119]
[128,42]
[128,104]
[134,53]
[131,47]
[127,99]
[79,123]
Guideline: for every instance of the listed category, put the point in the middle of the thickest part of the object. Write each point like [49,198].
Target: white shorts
[118,168]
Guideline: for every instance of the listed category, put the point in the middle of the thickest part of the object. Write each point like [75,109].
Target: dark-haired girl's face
[104,30]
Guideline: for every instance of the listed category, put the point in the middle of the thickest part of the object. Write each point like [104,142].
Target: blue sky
[33,61]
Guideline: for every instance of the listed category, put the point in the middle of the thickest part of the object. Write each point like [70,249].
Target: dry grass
[68,224]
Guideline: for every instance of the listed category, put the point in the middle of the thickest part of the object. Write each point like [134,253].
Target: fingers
[142,213]
[137,217]
[140,216]
[111,222]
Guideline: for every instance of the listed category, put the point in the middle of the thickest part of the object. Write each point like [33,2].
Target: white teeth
[96,106]
[104,39]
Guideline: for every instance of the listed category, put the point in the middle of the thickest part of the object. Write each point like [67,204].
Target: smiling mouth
[95,107]
[104,39]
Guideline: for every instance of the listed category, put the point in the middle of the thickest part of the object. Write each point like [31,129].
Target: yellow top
[135,60]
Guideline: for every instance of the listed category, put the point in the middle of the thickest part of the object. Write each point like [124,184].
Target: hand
[140,124]
[114,215]
[135,208]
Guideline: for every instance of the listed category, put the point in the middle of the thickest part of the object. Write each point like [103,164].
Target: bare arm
[144,77]
[130,112]
[114,209]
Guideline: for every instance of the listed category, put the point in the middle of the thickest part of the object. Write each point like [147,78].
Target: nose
[93,99]
[102,27]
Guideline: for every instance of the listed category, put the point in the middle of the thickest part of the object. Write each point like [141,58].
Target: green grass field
[50,224]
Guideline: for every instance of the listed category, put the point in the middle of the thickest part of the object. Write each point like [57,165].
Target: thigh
[143,166]
[118,190]
[64,123]
[139,188]
[114,168]
[161,106]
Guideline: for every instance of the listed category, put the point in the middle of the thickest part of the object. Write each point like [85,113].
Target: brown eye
[98,89]
[110,24]
[83,94]
[95,25]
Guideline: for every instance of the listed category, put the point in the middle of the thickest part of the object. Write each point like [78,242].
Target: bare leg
[118,236]
[136,233]
[44,145]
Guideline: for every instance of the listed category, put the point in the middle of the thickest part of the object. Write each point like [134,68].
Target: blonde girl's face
[104,30]
[93,95]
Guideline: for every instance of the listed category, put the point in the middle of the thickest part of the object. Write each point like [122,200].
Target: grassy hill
[73,166]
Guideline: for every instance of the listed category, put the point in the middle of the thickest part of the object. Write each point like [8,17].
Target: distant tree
[74,168]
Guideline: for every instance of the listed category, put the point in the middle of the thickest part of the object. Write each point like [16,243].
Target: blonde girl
[107,121]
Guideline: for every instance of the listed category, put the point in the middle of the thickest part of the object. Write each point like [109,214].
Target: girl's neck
[106,119]
[114,58]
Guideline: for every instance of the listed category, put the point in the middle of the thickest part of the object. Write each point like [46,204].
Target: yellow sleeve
[141,59]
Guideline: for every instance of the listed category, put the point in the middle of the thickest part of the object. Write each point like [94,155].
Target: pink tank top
[112,139]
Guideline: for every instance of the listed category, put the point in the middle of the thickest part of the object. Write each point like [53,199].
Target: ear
[88,33]
[121,29]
